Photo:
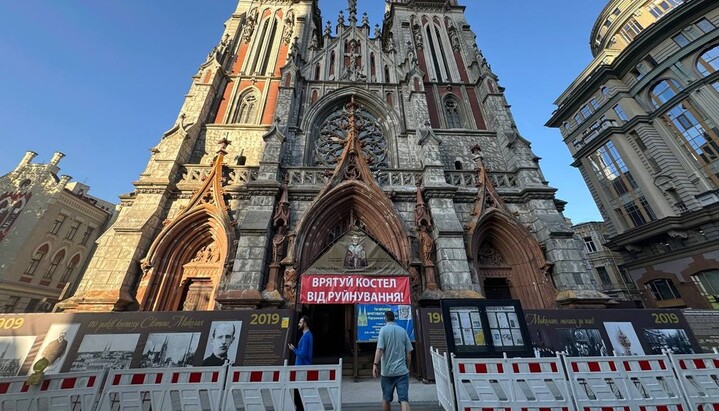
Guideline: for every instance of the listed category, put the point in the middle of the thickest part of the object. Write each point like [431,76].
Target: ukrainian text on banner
[354,289]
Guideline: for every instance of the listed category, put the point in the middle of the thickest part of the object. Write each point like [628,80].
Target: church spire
[352,9]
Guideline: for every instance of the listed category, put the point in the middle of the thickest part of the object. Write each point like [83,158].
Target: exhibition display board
[121,340]
[485,328]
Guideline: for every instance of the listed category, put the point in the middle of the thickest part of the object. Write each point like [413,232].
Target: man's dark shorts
[401,382]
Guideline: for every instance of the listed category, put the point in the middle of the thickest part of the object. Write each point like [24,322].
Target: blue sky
[101,80]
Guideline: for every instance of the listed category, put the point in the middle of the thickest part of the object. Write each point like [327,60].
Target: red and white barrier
[273,388]
[59,392]
[652,383]
[164,389]
[482,383]
[320,386]
[539,383]
[442,380]
[598,383]
[699,378]
[255,388]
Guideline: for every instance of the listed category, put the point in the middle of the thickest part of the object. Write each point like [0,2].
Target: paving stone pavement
[365,394]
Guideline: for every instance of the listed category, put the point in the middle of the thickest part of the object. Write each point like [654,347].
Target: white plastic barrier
[442,380]
[60,392]
[272,388]
[164,389]
[320,386]
[598,383]
[699,378]
[255,388]
[652,383]
[539,383]
[482,383]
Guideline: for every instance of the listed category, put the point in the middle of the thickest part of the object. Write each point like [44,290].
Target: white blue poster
[370,318]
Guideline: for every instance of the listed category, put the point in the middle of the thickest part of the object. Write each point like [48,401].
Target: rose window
[334,131]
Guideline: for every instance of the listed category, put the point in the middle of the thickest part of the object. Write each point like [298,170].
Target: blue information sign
[370,318]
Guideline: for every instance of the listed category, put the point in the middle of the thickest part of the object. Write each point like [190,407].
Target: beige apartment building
[610,276]
[48,228]
[641,123]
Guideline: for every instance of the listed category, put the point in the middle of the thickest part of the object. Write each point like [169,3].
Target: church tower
[306,147]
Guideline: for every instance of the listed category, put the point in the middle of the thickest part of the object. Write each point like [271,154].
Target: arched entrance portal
[352,230]
[185,263]
[507,258]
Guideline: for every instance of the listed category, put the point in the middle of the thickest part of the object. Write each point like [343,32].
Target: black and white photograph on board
[170,350]
[675,340]
[13,351]
[623,338]
[55,346]
[582,342]
[105,351]
[222,343]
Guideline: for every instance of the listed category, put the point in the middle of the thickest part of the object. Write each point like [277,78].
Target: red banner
[354,289]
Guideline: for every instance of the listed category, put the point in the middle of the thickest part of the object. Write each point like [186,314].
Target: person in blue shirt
[303,353]
[394,350]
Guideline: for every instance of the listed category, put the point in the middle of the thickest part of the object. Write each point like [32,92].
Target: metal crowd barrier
[665,382]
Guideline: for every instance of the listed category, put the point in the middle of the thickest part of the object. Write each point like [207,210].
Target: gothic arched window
[56,260]
[246,111]
[37,256]
[70,268]
[664,91]
[708,62]
[451,113]
[265,47]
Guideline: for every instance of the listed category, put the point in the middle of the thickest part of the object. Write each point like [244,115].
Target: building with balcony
[610,276]
[48,228]
[641,123]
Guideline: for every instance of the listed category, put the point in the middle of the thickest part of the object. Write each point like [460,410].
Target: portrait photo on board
[582,342]
[674,340]
[623,338]
[13,351]
[222,343]
[55,346]
[105,351]
[170,350]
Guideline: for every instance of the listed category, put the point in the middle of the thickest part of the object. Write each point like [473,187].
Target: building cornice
[686,221]
[586,85]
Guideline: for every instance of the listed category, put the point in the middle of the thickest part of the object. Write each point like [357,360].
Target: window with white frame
[589,243]
[631,30]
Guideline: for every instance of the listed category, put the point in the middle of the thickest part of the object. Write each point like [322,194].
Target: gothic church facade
[299,136]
